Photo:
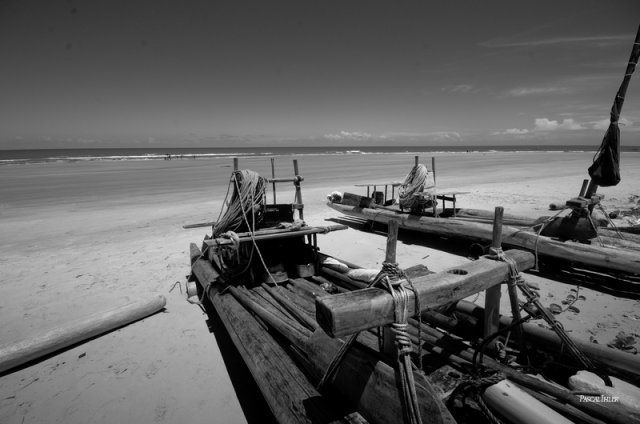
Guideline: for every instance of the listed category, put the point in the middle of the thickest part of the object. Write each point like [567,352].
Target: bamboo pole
[67,335]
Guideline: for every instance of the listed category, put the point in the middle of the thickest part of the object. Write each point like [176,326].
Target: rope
[474,389]
[415,182]
[248,195]
[516,277]
[535,245]
[408,396]
[389,276]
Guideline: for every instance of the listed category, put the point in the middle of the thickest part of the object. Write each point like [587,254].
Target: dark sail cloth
[605,170]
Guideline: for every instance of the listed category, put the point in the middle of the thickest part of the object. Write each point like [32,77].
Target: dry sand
[79,238]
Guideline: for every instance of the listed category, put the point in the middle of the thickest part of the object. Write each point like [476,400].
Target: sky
[147,73]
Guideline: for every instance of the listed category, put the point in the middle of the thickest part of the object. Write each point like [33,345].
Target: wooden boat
[603,252]
[306,328]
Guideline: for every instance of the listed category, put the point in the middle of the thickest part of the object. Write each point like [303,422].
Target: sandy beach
[85,237]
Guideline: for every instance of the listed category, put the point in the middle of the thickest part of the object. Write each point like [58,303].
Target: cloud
[545,124]
[597,40]
[604,123]
[512,131]
[460,88]
[351,135]
[533,91]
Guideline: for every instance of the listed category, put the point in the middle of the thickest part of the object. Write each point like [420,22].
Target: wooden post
[492,295]
[298,189]
[585,183]
[388,338]
[433,168]
[416,159]
[235,164]
[591,189]
[273,175]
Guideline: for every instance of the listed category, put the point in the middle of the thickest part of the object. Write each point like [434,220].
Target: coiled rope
[249,195]
[414,183]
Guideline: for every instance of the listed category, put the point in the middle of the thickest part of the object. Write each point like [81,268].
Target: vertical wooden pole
[433,168]
[273,175]
[492,295]
[416,160]
[389,346]
[392,241]
[591,189]
[585,183]
[298,189]
[235,164]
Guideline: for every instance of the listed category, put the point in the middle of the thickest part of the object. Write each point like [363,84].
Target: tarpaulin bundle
[605,170]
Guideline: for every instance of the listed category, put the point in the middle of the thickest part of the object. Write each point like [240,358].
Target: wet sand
[79,238]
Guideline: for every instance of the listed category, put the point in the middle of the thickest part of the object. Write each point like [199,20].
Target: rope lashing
[389,277]
[516,277]
[407,385]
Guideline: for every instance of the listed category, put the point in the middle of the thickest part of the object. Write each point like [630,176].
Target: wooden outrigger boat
[604,252]
[324,346]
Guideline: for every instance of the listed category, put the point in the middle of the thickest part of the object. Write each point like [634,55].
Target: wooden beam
[347,313]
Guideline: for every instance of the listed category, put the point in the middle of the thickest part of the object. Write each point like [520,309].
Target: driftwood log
[67,335]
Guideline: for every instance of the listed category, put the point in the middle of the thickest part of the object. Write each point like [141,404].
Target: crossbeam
[348,313]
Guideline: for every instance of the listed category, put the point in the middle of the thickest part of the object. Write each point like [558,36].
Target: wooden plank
[290,396]
[348,313]
[66,335]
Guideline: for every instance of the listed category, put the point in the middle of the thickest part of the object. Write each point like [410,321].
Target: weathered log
[347,313]
[624,260]
[67,335]
[522,407]
[291,308]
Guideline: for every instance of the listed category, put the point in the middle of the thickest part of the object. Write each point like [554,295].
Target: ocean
[8,157]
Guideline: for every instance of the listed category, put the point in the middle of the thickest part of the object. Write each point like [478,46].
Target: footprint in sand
[152,369]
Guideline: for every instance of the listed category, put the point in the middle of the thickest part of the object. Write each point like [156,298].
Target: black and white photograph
[283,212]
